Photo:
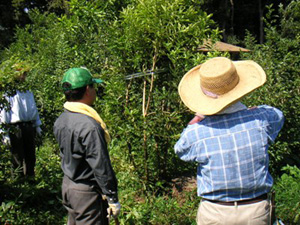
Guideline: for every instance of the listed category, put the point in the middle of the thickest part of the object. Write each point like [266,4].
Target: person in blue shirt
[229,141]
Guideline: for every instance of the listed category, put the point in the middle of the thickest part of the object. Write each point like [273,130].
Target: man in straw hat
[23,124]
[228,141]
[89,186]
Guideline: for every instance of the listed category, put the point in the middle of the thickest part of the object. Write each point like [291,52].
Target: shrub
[33,202]
[141,51]
[287,190]
[155,44]
[279,56]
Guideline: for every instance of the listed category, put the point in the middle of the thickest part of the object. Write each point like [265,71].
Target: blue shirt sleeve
[275,120]
[184,149]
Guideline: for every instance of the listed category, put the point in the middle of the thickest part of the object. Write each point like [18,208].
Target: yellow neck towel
[89,111]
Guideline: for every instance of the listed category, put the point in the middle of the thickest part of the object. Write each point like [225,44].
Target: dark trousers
[22,138]
[84,204]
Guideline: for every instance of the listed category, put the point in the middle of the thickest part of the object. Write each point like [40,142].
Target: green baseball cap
[78,77]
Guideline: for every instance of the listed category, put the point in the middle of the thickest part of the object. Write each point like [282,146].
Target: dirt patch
[183,188]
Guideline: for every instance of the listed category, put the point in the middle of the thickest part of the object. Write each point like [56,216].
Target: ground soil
[183,186]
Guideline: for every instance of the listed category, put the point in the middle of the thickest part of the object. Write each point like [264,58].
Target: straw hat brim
[251,76]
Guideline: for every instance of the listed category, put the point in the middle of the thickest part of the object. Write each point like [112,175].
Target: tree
[279,55]
[235,17]
[141,49]
[157,38]
[155,42]
[14,14]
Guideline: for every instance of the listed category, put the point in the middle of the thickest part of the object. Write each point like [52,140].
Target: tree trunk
[232,18]
[224,21]
[261,22]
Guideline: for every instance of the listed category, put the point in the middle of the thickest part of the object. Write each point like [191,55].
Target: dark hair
[75,94]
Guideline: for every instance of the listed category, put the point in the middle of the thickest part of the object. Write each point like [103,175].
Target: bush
[155,43]
[279,56]
[287,198]
[27,201]
[141,51]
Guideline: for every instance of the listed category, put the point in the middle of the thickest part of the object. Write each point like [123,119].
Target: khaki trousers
[251,214]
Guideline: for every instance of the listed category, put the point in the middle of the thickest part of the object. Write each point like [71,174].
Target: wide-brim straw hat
[212,86]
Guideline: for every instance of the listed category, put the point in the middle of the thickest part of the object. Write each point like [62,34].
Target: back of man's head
[75,81]
[73,94]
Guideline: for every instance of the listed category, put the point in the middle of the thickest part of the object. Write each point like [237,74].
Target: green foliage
[158,40]
[144,207]
[163,28]
[141,49]
[52,45]
[287,191]
[27,201]
[290,21]
[279,56]
[144,128]
[160,210]
[166,38]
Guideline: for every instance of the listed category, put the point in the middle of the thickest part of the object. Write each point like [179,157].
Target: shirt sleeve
[34,111]
[4,118]
[2,115]
[98,158]
[275,121]
[37,122]
[184,149]
[5,115]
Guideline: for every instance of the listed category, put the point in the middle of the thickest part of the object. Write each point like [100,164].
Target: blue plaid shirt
[232,152]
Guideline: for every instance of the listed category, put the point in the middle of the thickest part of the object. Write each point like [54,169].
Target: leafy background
[142,49]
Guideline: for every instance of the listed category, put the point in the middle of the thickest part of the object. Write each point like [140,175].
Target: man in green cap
[89,186]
